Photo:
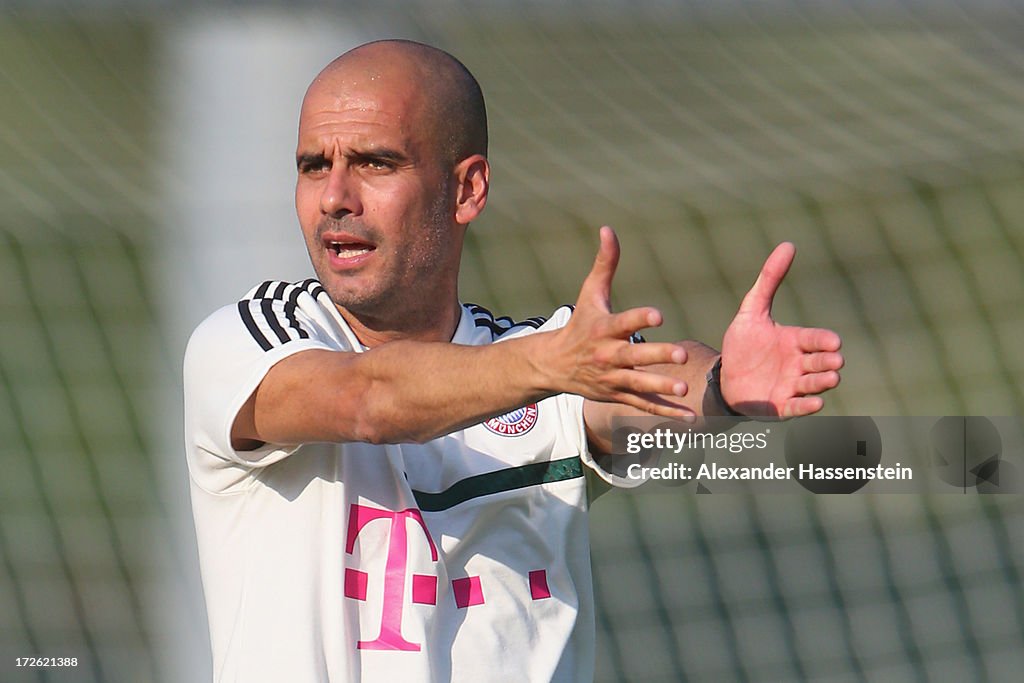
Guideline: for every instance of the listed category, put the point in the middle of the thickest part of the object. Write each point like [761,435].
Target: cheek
[308,219]
[383,198]
[304,202]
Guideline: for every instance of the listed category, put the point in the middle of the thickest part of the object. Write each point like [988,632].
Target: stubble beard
[408,288]
[345,296]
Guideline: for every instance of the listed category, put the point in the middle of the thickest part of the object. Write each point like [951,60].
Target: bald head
[447,95]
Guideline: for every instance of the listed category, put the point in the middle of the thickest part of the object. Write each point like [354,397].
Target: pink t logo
[395,568]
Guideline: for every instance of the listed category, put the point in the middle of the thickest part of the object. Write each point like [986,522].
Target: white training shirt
[464,559]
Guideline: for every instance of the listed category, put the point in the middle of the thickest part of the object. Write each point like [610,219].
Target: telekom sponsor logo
[515,423]
[467,591]
[424,588]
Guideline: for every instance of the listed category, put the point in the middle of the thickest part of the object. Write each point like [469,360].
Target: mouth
[346,250]
[349,249]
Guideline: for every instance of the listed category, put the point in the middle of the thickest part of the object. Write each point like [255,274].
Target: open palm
[770,369]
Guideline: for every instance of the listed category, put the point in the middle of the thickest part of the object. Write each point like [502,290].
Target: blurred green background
[886,140]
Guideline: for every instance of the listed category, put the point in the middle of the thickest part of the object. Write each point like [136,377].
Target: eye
[378,164]
[314,166]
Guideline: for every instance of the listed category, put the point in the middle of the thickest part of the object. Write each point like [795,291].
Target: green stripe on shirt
[500,481]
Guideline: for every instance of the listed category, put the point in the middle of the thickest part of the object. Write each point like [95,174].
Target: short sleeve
[227,357]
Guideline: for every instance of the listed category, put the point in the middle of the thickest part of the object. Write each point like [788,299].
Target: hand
[776,370]
[594,357]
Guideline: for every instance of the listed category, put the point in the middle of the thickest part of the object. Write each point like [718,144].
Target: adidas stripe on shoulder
[268,311]
[502,325]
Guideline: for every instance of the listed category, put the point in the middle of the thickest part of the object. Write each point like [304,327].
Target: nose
[341,194]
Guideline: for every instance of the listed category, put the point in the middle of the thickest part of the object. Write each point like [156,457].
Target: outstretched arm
[768,369]
[413,391]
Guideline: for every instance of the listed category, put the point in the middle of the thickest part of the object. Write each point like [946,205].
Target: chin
[354,299]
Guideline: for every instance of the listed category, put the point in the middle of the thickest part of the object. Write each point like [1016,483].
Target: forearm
[403,391]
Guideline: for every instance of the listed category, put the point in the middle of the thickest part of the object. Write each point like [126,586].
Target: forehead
[366,108]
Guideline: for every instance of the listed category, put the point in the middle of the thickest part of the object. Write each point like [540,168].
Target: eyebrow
[307,160]
[383,154]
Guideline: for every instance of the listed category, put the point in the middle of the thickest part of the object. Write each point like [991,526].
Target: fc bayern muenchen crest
[519,421]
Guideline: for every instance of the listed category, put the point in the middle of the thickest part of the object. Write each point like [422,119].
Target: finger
[650,353]
[655,405]
[817,382]
[812,339]
[758,300]
[802,405]
[821,362]
[597,287]
[642,382]
[622,325]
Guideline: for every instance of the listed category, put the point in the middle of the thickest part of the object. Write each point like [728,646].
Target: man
[381,492]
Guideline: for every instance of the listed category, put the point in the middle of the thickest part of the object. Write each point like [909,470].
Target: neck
[437,325]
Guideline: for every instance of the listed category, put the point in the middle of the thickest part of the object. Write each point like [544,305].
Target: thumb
[597,287]
[758,300]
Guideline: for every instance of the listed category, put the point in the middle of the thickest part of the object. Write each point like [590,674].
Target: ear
[472,180]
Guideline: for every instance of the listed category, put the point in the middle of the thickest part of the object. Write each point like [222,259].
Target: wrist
[714,391]
[540,358]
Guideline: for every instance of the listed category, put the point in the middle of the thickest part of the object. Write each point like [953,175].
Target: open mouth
[349,249]
[346,248]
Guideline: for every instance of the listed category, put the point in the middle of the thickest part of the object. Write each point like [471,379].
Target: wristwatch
[714,379]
